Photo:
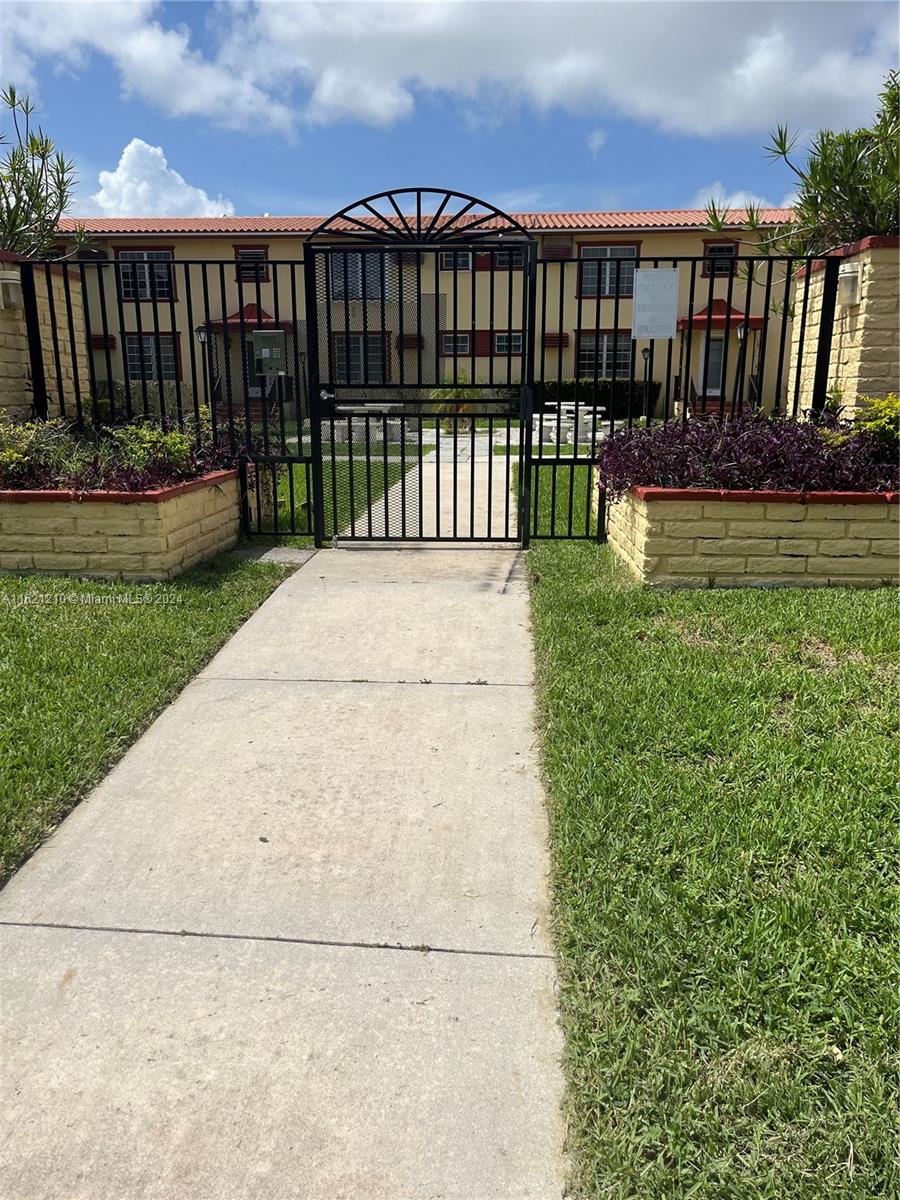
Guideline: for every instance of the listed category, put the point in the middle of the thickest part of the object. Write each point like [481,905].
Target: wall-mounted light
[645,353]
[10,288]
[741,330]
[202,332]
[848,284]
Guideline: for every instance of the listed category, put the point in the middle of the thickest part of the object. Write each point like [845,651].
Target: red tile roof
[249,315]
[541,222]
[718,316]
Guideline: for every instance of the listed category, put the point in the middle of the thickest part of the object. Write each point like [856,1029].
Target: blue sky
[300,108]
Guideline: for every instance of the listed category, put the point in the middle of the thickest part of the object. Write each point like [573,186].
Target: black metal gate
[420,317]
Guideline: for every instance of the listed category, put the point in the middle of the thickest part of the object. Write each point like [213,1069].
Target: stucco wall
[865,350]
[150,535]
[725,541]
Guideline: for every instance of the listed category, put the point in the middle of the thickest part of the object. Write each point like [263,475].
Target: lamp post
[202,332]
[645,354]
[739,374]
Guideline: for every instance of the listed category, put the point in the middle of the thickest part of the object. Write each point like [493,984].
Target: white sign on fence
[655,303]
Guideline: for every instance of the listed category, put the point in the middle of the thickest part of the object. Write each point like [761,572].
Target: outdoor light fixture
[848,284]
[646,353]
[10,289]
[741,330]
[202,333]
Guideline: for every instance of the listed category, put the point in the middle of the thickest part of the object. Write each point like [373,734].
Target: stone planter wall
[865,348]
[693,538]
[119,535]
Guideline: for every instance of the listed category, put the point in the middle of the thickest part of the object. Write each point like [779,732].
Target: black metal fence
[424,392]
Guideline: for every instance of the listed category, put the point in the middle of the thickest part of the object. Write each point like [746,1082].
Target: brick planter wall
[119,535]
[673,537]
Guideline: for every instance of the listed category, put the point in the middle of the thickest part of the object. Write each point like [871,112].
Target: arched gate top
[420,216]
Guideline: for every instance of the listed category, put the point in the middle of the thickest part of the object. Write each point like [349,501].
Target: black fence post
[310,269]
[826,332]
[526,404]
[35,349]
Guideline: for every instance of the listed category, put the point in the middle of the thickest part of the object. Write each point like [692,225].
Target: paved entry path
[294,947]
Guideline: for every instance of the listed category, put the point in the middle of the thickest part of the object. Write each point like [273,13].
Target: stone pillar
[865,350]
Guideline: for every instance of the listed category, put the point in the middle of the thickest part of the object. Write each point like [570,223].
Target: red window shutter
[101,342]
[482,343]
[482,260]
[557,250]
[409,341]
[553,341]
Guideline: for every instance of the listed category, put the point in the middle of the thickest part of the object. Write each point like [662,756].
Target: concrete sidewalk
[294,946]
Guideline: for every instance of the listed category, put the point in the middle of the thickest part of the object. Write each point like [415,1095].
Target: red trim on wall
[483,343]
[769,497]
[153,496]
[237,254]
[148,299]
[887,241]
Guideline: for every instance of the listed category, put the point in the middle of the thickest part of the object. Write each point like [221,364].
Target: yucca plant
[37,184]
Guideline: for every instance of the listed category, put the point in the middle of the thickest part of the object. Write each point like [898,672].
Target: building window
[455,343]
[351,365]
[252,263]
[151,357]
[599,353]
[601,266]
[507,343]
[461,258]
[504,260]
[346,270]
[145,275]
[719,258]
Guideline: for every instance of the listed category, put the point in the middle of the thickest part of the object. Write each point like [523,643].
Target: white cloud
[737,198]
[596,140]
[143,184]
[689,67]
[726,199]
[155,63]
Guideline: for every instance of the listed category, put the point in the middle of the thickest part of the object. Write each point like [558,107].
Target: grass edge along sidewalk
[85,666]
[720,767]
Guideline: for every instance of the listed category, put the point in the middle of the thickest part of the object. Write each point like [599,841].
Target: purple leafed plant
[746,453]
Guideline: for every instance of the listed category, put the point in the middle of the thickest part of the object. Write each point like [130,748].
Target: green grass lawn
[341,481]
[544,450]
[82,673]
[721,767]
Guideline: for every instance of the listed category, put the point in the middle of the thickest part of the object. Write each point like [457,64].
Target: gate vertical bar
[35,349]
[315,423]
[526,408]
[826,332]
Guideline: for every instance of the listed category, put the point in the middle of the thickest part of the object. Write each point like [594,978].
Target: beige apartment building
[176,300]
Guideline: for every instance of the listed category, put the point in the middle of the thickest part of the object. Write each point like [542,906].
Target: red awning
[252,317]
[718,316]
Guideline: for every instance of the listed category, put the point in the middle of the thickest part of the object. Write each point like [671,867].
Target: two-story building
[174,300]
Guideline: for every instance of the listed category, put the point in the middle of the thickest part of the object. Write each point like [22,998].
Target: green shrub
[880,417]
[56,455]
